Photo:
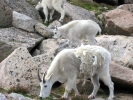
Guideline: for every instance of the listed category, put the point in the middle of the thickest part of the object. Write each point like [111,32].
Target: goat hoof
[61,20]
[91,97]
[63,98]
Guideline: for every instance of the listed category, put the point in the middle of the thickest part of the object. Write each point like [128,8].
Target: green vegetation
[92,6]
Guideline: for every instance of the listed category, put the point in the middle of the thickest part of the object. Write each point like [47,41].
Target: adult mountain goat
[52,5]
[67,65]
[77,30]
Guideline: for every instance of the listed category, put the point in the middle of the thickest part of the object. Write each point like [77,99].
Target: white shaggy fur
[66,66]
[77,30]
[95,60]
[52,5]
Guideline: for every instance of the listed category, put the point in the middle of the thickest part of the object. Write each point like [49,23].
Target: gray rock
[2,97]
[128,1]
[19,96]
[121,75]
[23,22]
[11,38]
[19,72]
[78,13]
[127,7]
[55,23]
[24,7]
[44,30]
[5,14]
[120,47]
[36,52]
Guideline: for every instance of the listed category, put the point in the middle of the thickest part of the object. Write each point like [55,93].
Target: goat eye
[55,33]
[45,86]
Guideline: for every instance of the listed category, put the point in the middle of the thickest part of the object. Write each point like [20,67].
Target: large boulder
[11,38]
[78,13]
[23,22]
[120,47]
[119,22]
[19,72]
[5,14]
[128,1]
[24,7]
[121,76]
[127,7]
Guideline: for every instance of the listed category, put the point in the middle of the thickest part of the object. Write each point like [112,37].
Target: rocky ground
[26,44]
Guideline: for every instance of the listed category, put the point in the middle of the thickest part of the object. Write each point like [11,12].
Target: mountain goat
[52,5]
[67,65]
[77,30]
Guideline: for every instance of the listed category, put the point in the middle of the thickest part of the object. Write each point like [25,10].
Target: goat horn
[39,76]
[44,76]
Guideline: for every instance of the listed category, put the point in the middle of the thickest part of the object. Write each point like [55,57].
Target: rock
[11,38]
[44,30]
[78,13]
[2,97]
[49,46]
[5,14]
[121,76]
[120,47]
[19,72]
[24,7]
[33,2]
[63,45]
[128,1]
[55,23]
[23,22]
[87,88]
[123,96]
[110,2]
[127,7]
[19,96]
[47,49]
[36,52]
[119,22]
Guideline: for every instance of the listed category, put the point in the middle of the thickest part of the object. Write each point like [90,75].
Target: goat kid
[78,30]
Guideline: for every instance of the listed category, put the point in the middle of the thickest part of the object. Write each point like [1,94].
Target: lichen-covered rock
[78,13]
[11,38]
[24,7]
[23,22]
[19,96]
[120,47]
[121,75]
[119,22]
[19,71]
[43,30]
[5,14]
[47,49]
[128,1]
[127,7]
[54,24]
[49,46]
